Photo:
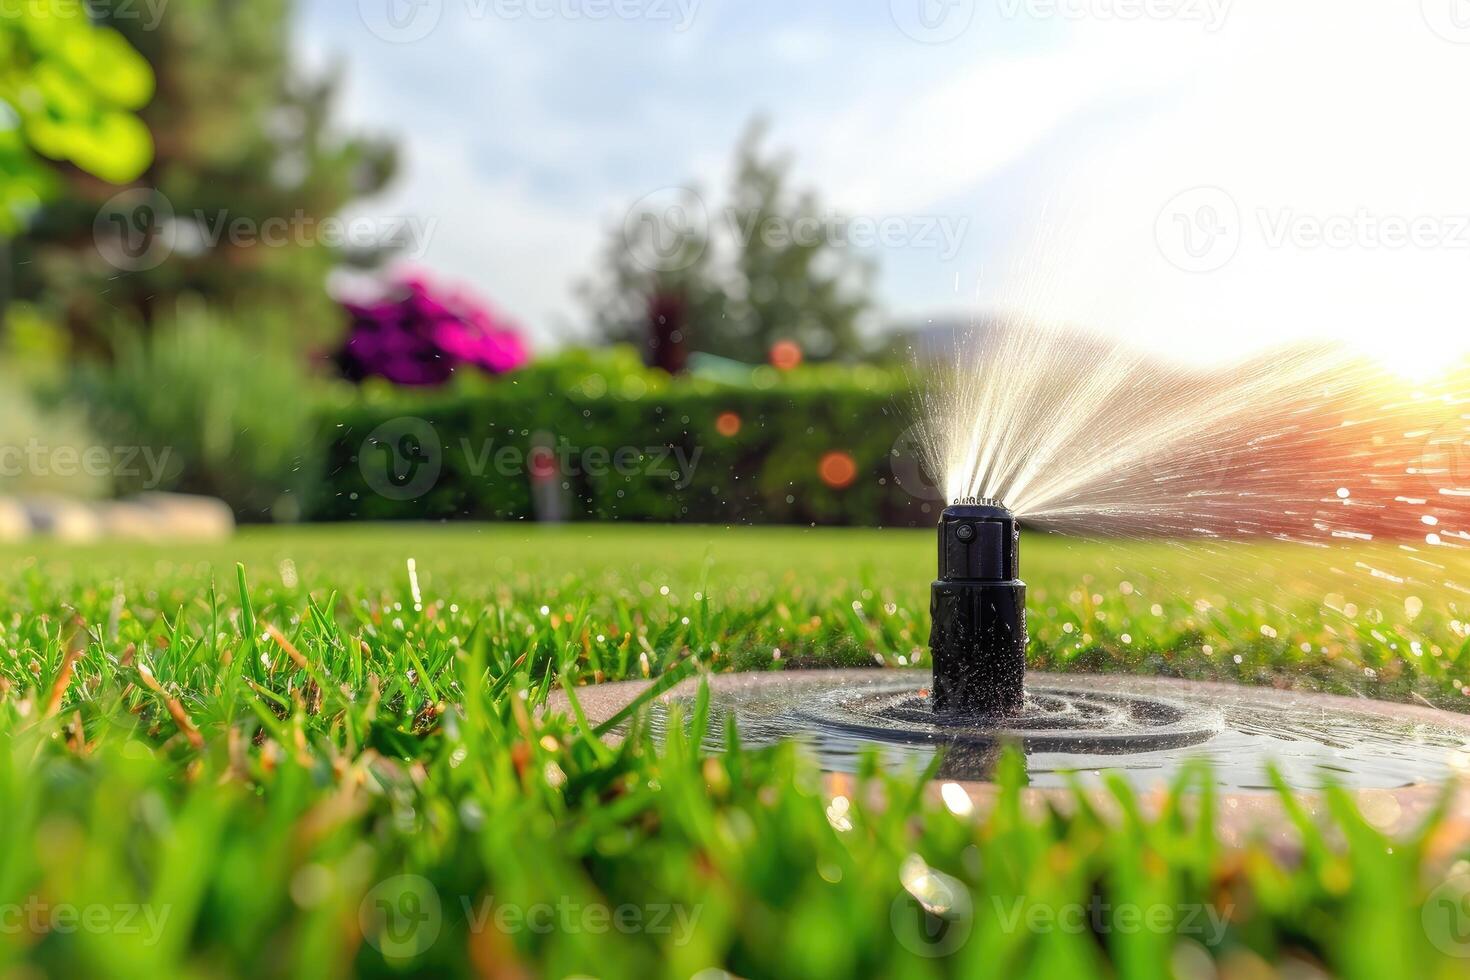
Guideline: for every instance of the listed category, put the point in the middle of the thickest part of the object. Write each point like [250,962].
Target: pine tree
[766,267]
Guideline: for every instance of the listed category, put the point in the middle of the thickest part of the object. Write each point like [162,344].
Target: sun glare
[1415,362]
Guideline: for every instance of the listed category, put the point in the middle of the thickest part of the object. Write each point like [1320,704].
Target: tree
[247,169]
[68,93]
[659,284]
[770,266]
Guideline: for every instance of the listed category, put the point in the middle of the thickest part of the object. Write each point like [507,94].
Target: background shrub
[43,449]
[756,443]
[235,415]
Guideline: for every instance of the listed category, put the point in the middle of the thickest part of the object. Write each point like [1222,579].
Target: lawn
[343,722]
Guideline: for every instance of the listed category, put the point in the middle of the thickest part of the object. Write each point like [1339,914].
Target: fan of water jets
[1307,443]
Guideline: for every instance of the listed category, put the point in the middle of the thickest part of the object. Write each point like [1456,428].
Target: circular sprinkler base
[1053,717]
[1074,727]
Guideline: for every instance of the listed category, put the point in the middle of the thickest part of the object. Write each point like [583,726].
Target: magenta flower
[417,336]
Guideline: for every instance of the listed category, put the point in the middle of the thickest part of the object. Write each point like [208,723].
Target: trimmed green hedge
[628,443]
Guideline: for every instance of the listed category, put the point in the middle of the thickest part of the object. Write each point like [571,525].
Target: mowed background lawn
[292,753]
[1373,618]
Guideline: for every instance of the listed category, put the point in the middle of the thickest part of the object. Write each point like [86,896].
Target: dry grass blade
[175,707]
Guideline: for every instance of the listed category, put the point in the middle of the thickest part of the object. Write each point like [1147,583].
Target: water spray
[979,612]
[1078,436]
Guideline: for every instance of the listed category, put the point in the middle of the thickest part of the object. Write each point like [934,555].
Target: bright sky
[1203,177]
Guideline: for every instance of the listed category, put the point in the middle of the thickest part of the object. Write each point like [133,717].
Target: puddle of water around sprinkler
[1146,729]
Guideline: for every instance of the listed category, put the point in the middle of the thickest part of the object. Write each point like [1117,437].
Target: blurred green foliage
[44,445]
[235,417]
[703,450]
[69,92]
[250,423]
[45,437]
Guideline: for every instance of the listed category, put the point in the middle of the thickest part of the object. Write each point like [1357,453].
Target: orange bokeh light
[728,425]
[838,470]
[785,355]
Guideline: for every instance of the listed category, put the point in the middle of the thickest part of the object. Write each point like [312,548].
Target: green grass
[251,760]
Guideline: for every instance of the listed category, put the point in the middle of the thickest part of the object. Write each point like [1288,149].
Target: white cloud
[495,234]
[908,147]
[1343,117]
[1060,140]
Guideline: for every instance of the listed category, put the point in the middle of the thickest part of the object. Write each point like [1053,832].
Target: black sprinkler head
[979,611]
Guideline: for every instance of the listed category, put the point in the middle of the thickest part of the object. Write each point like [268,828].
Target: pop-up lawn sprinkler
[979,610]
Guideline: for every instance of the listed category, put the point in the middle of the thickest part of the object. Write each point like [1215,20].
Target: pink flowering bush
[421,335]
